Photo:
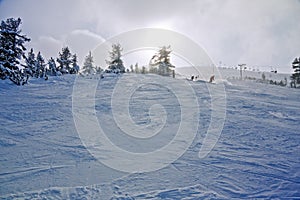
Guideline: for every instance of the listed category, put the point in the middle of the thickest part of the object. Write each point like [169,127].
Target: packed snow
[43,157]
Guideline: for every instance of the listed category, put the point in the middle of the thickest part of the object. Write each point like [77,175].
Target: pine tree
[88,67]
[12,50]
[99,70]
[30,63]
[52,67]
[136,68]
[144,70]
[64,60]
[40,71]
[75,66]
[295,78]
[160,62]
[131,69]
[115,63]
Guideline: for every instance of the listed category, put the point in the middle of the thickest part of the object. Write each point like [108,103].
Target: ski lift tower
[241,70]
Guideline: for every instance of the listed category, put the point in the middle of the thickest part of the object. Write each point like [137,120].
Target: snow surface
[42,156]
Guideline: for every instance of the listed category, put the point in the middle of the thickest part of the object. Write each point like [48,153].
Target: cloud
[79,41]
[82,41]
[256,32]
[47,45]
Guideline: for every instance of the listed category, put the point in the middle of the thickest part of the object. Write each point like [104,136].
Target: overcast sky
[259,33]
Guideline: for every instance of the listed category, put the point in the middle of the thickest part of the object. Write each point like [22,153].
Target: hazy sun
[161,24]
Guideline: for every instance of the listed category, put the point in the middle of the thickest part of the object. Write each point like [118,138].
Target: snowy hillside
[235,74]
[42,155]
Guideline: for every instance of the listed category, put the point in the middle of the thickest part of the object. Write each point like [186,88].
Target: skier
[212,78]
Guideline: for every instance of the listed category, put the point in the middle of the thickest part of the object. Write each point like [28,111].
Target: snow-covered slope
[42,156]
[230,73]
[235,74]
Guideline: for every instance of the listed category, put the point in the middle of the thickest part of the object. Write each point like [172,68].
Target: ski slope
[42,155]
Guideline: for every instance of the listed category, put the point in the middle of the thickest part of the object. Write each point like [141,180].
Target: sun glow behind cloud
[163,24]
[143,56]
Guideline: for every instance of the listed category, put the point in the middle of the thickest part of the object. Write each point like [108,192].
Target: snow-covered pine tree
[295,78]
[88,67]
[144,70]
[131,69]
[40,67]
[99,70]
[136,68]
[160,62]
[12,50]
[75,66]
[64,60]
[115,64]
[30,63]
[52,67]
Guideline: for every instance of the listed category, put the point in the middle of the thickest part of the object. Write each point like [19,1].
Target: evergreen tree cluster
[18,67]
[67,62]
[159,64]
[35,66]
